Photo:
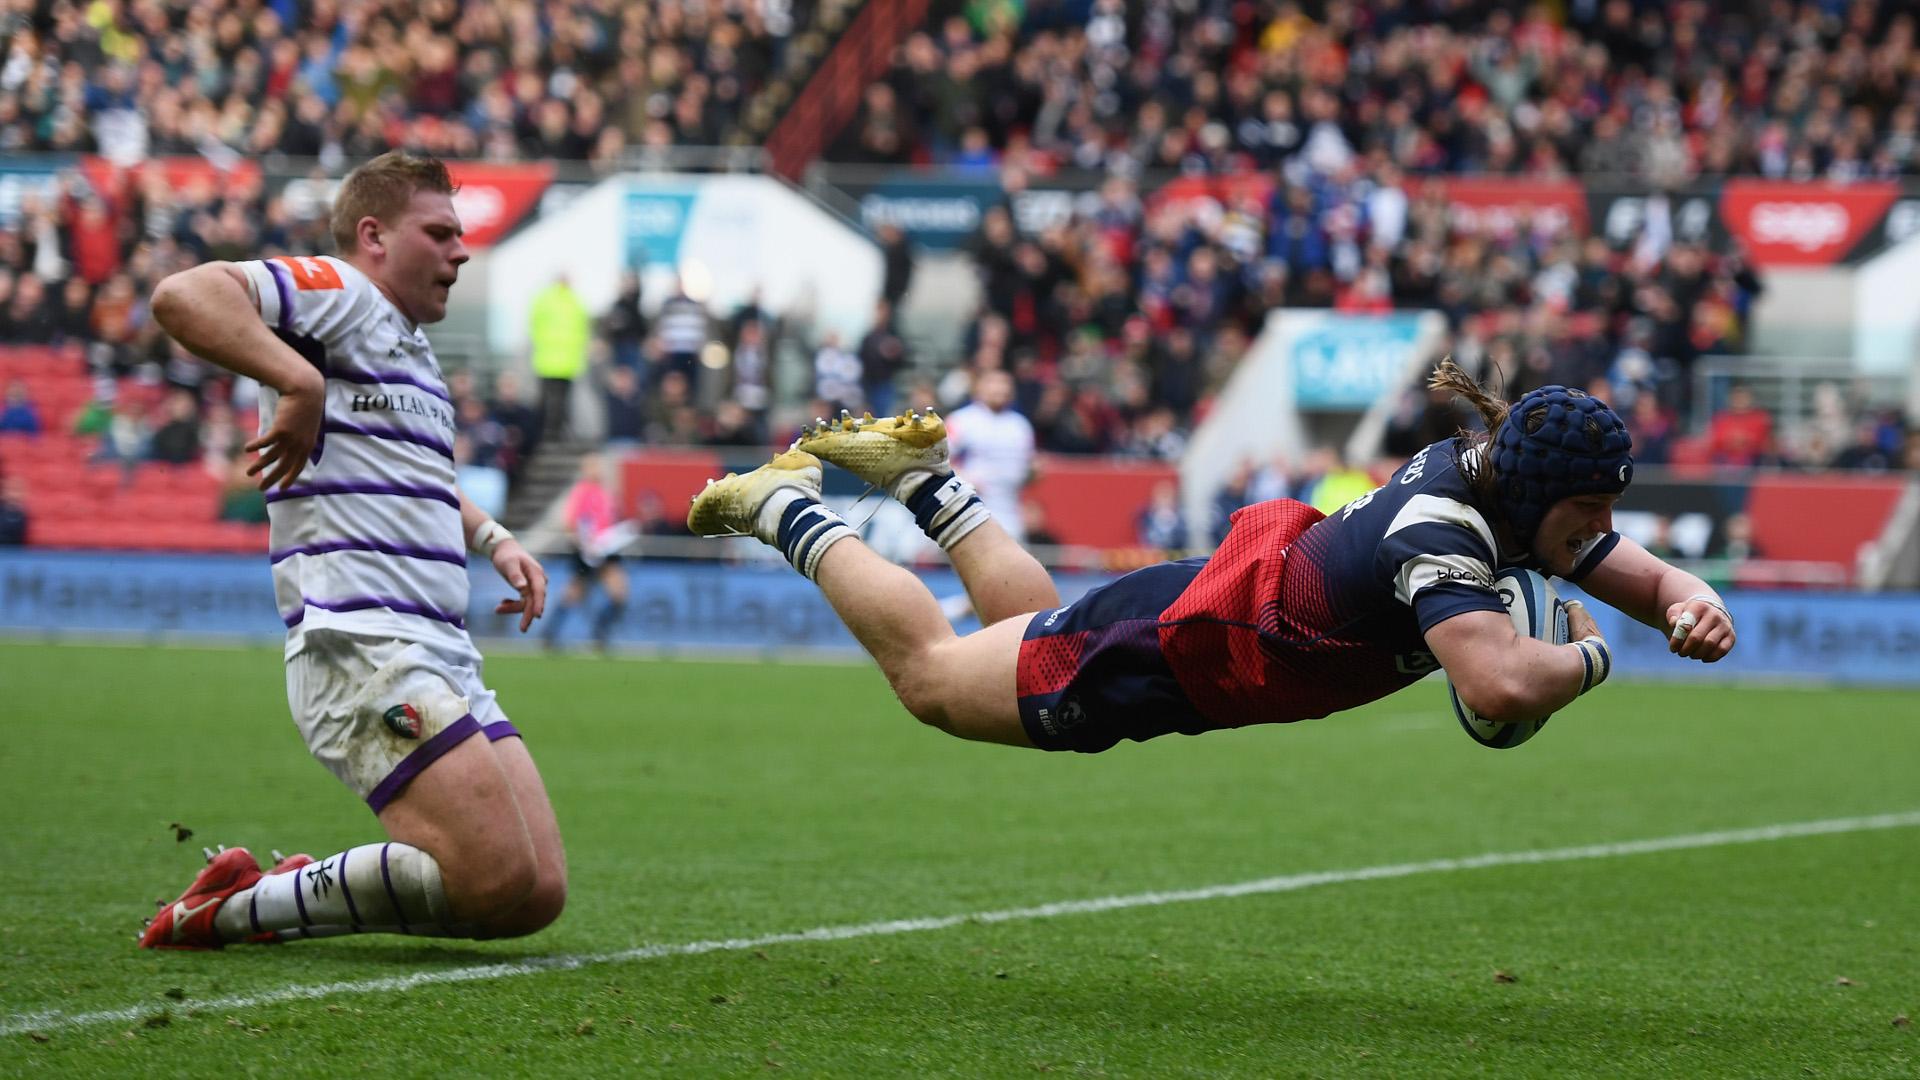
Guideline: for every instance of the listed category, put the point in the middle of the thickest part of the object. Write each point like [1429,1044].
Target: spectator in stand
[672,419]
[837,376]
[1653,431]
[1742,433]
[13,512]
[1336,482]
[1867,453]
[896,260]
[221,437]
[1234,493]
[750,371]
[485,78]
[20,415]
[125,439]
[682,332]
[518,419]
[1735,539]
[73,320]
[1160,523]
[625,404]
[484,484]
[486,438]
[559,331]
[177,441]
[624,326]
[30,318]
[732,425]
[883,356]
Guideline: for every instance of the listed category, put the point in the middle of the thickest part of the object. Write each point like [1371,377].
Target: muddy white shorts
[376,712]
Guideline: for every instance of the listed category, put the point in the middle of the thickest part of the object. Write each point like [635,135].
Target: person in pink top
[597,536]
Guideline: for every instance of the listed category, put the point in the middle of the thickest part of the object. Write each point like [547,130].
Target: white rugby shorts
[376,711]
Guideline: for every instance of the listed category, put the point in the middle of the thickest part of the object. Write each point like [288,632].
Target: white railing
[1785,386]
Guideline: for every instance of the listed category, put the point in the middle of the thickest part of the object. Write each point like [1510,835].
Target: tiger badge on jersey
[403,720]
[310,273]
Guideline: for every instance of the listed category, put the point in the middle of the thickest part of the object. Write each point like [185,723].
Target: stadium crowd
[1117,325]
[1663,92]
[344,81]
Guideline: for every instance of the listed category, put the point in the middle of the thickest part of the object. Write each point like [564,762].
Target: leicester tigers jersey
[368,540]
[1312,616]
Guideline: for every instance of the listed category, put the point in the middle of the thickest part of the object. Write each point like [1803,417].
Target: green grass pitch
[723,802]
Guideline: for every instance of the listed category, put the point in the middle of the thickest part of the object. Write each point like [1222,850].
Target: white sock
[945,507]
[801,528]
[391,887]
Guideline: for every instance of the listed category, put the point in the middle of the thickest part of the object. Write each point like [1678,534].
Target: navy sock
[807,529]
[946,508]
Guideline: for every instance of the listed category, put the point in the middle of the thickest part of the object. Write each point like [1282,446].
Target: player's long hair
[1476,468]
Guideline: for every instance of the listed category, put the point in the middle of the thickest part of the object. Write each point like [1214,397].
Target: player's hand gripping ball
[1537,612]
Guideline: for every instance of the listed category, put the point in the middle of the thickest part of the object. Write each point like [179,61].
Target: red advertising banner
[1792,224]
[182,173]
[1227,189]
[1499,206]
[493,198]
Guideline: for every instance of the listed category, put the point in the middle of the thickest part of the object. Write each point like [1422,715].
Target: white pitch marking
[41,1021]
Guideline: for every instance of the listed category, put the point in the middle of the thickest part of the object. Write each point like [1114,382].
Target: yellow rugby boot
[731,505]
[883,452]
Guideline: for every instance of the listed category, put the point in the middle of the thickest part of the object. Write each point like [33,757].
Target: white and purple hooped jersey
[993,451]
[368,540]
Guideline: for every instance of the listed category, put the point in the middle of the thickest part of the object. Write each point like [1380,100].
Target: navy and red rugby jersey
[1298,616]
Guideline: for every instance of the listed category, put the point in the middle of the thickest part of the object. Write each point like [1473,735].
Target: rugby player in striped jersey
[370,541]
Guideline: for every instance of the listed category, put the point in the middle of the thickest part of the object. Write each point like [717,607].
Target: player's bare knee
[494,886]
[540,911]
[543,907]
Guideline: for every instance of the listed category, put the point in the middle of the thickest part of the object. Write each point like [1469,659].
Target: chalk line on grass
[53,1019]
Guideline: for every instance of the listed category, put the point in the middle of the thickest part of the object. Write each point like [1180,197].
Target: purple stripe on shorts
[386,878]
[502,729]
[415,763]
[364,603]
[408,551]
[388,378]
[300,901]
[342,427]
[282,284]
[356,487]
[353,913]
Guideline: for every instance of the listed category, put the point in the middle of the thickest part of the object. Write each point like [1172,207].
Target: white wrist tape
[1599,661]
[488,536]
[1713,602]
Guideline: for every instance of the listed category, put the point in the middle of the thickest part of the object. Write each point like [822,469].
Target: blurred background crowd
[1117,326]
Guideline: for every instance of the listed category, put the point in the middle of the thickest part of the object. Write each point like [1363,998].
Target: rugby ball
[1537,612]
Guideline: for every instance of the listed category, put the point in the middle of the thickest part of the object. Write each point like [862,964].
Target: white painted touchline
[41,1021]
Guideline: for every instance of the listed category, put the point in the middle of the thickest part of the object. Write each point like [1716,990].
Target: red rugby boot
[187,923]
[287,864]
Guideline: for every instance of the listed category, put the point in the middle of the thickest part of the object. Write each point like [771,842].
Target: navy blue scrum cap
[1557,443]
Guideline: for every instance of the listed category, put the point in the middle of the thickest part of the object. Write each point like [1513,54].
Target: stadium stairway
[795,125]
[807,49]
[533,504]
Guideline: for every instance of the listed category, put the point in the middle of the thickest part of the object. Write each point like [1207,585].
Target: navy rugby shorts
[1091,673]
